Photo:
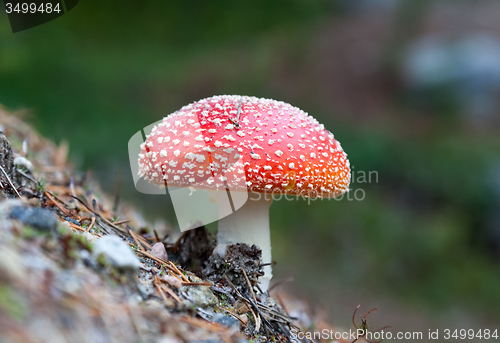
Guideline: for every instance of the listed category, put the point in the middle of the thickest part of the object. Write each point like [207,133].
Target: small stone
[226,320]
[116,252]
[244,318]
[158,250]
[34,202]
[38,218]
[240,307]
[172,281]
[200,296]
[23,163]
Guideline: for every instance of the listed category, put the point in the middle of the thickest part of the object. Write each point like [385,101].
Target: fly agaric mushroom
[249,144]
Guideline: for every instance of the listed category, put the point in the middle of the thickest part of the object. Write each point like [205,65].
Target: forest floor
[78,266]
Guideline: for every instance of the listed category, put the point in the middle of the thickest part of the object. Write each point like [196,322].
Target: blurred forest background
[410,88]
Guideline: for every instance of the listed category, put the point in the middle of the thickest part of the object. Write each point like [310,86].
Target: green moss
[101,259]
[10,304]
[29,233]
[73,254]
[41,186]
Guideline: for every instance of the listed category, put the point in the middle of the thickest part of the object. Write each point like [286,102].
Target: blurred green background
[411,90]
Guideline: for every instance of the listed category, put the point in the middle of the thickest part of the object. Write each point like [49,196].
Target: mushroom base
[249,225]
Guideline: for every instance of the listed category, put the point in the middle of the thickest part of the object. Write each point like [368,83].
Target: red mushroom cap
[248,144]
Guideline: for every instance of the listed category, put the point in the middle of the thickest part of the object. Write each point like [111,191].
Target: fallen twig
[178,271]
[207,284]
[10,182]
[162,293]
[26,176]
[159,261]
[74,226]
[136,240]
[92,222]
[171,292]
[142,240]
[249,285]
[156,236]
[214,327]
[98,215]
[51,197]
[233,314]
[257,321]
[122,222]
[162,287]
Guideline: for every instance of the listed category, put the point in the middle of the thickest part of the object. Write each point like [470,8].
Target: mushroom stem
[250,225]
